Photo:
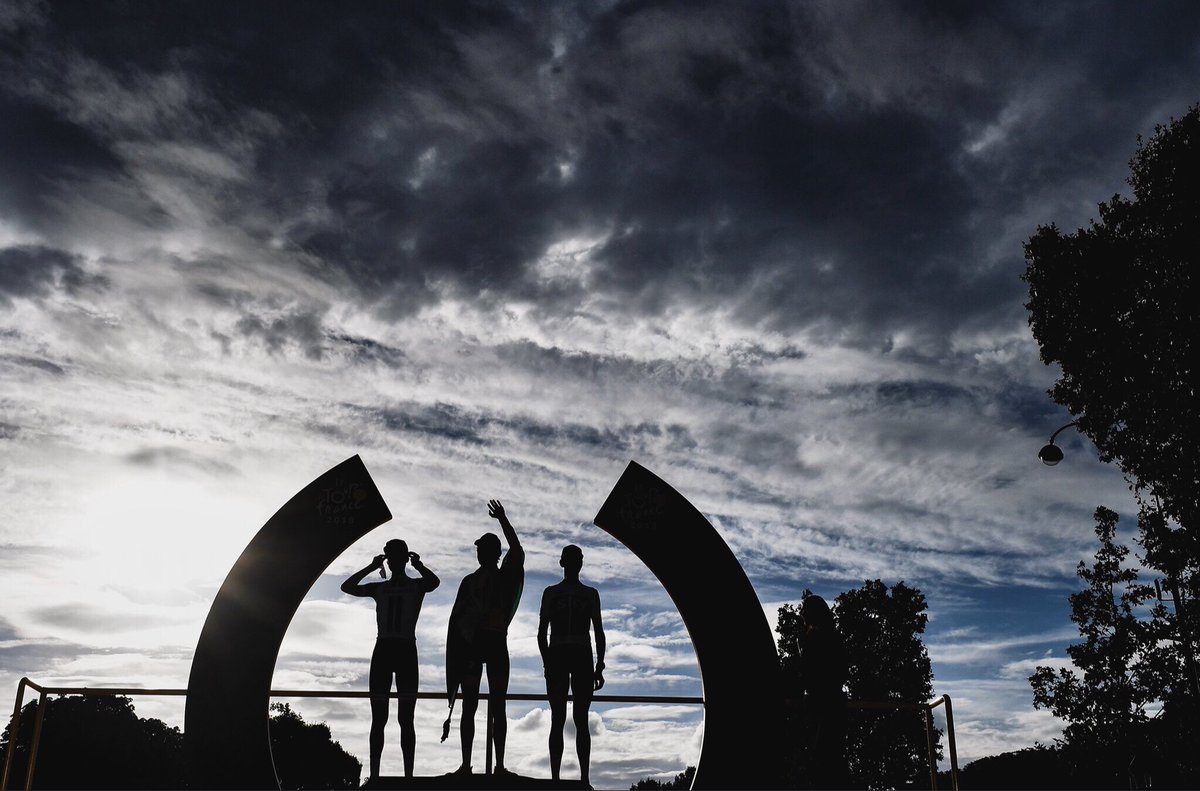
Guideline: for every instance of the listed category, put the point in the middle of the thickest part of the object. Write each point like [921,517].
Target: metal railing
[43,691]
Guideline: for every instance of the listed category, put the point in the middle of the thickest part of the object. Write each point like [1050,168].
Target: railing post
[950,742]
[14,730]
[932,747]
[487,715]
[37,738]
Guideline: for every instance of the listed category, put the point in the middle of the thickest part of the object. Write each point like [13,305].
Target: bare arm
[598,681]
[353,585]
[543,634]
[430,579]
[496,511]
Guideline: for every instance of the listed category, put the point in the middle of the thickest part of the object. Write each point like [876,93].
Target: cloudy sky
[770,251]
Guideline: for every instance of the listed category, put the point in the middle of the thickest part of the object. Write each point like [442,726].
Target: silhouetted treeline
[880,630]
[305,754]
[681,780]
[1035,768]
[1114,306]
[100,743]
[1044,767]
[96,742]
[1129,702]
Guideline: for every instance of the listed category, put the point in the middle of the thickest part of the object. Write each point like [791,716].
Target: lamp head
[1050,454]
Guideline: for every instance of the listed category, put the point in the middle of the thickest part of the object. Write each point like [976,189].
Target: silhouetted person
[478,634]
[397,606]
[570,612]
[823,674]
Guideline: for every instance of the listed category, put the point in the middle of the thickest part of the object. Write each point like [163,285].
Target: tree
[790,627]
[100,742]
[1115,306]
[681,780]
[1127,667]
[305,754]
[97,742]
[887,661]
[1037,767]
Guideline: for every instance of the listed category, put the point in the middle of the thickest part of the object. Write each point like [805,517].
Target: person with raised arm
[397,607]
[478,635]
[570,612]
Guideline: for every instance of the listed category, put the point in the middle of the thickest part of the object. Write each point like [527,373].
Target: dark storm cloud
[35,362]
[912,394]
[33,271]
[591,367]
[302,329]
[90,619]
[39,152]
[1027,406]
[368,350]
[456,424]
[1011,403]
[444,421]
[735,384]
[855,166]
[621,438]
[222,295]
[37,656]
[175,458]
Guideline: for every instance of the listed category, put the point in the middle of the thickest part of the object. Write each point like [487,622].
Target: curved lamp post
[1051,454]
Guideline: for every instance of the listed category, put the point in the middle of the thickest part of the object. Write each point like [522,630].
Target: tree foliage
[1037,767]
[305,754]
[681,780]
[100,742]
[1128,678]
[1115,306]
[882,630]
[96,742]
[887,661]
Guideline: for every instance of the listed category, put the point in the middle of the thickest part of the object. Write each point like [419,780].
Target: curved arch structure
[739,666]
[228,698]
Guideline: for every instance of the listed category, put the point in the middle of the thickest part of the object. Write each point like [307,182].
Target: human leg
[470,705]
[407,680]
[581,688]
[497,675]
[557,683]
[379,684]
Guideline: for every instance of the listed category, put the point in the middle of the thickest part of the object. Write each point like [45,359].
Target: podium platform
[508,781]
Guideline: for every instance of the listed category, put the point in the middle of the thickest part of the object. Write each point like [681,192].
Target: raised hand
[495,510]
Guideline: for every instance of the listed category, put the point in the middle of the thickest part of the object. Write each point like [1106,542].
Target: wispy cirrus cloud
[770,252]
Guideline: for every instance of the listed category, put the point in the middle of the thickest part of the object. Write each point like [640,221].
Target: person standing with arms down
[478,635]
[397,606]
[823,671]
[570,610]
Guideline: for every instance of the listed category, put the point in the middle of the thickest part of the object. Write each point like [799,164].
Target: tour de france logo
[643,508]
[338,503]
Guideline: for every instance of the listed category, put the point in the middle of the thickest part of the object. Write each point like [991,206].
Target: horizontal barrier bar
[354,693]
[872,705]
[867,705]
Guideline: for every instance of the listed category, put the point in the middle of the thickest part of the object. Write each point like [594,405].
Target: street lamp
[1051,454]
